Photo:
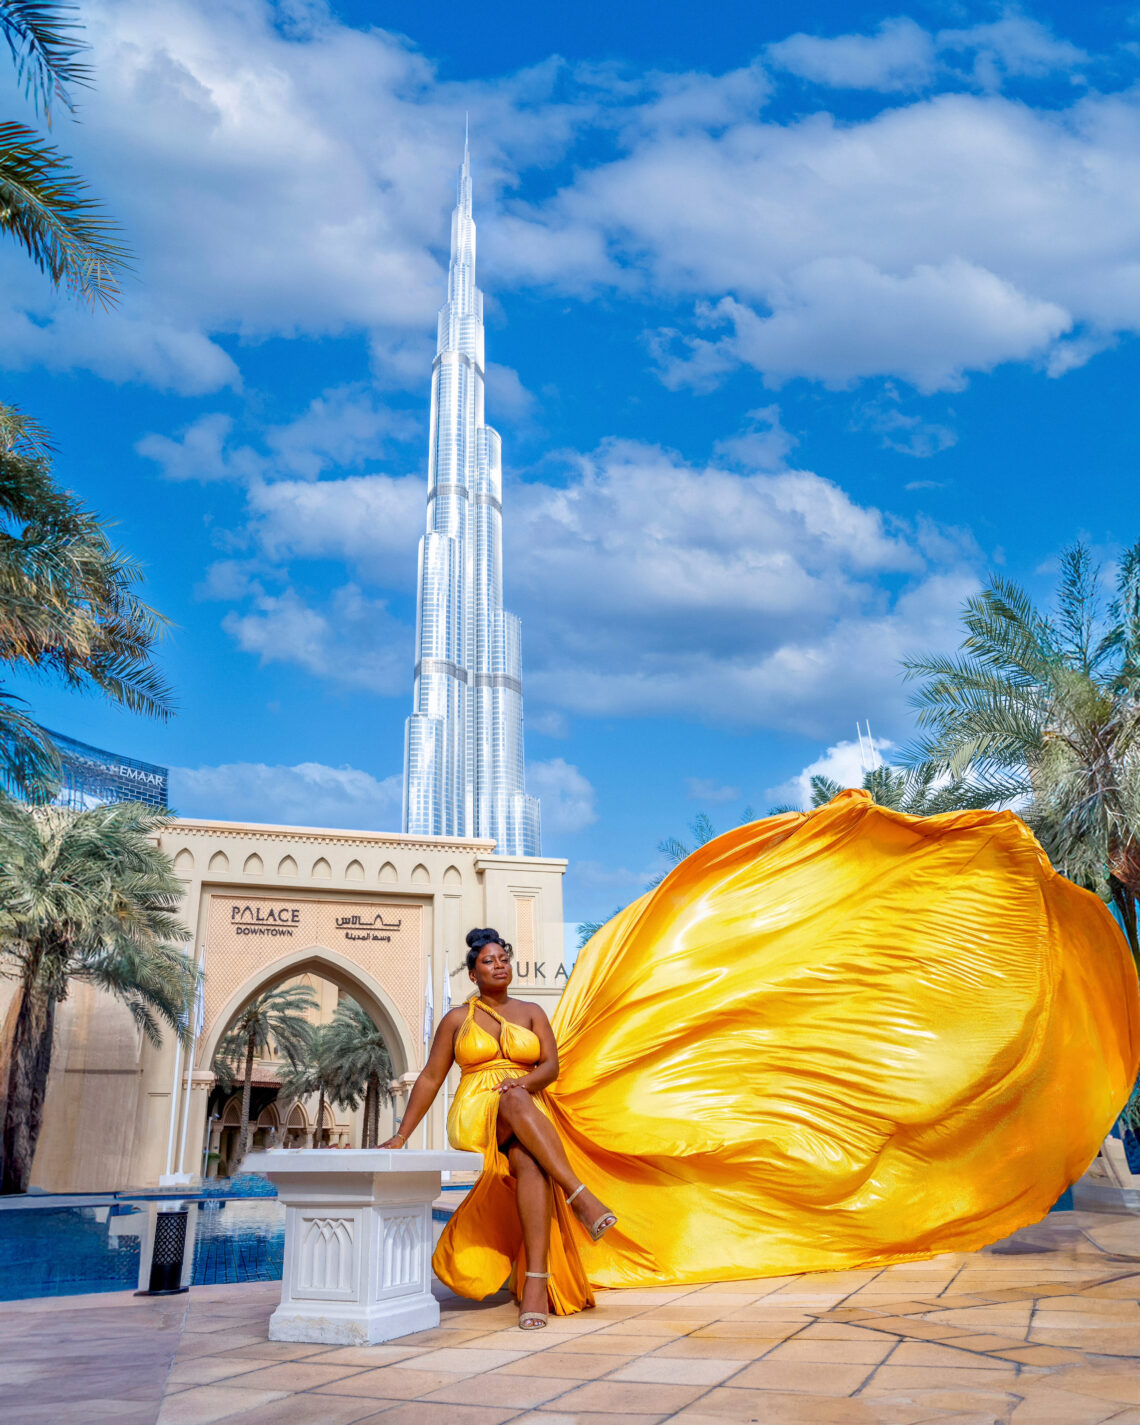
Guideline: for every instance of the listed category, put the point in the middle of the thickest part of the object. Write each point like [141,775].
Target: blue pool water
[61,1251]
[64,1248]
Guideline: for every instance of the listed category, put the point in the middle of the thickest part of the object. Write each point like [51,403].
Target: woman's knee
[515,1108]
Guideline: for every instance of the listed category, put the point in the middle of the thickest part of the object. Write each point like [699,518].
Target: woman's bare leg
[535,1211]
[519,1117]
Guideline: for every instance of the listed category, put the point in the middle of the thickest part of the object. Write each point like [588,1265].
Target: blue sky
[797,329]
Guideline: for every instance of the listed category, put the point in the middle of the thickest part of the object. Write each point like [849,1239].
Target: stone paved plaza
[1043,1329]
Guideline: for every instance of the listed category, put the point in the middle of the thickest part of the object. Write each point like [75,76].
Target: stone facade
[376,914]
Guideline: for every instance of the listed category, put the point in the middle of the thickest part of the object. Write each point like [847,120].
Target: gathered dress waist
[467,1069]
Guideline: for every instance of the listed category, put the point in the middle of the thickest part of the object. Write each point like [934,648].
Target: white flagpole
[174,1105]
[446,1006]
[429,1025]
[196,1029]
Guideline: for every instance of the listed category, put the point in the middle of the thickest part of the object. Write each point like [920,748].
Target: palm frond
[44,205]
[673,850]
[1079,608]
[69,602]
[357,1046]
[823,789]
[1124,634]
[21,434]
[44,44]
[29,761]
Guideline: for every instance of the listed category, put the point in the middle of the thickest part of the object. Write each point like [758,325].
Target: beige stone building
[377,916]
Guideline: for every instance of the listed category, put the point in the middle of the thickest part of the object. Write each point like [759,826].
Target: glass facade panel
[92,776]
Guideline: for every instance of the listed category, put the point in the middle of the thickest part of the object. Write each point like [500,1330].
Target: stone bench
[358,1240]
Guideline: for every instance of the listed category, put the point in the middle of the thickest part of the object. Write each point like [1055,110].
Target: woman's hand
[508,1084]
[397,1140]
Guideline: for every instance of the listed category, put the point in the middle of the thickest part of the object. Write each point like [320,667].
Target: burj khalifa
[464,769]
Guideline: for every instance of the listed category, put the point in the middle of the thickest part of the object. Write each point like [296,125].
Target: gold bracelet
[401,1137]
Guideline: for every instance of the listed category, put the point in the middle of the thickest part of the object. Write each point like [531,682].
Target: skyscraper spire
[463,745]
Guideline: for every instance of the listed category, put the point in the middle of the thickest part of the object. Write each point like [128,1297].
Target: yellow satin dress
[835,1039]
[481,1246]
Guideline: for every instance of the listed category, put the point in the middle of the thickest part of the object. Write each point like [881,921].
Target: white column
[358,1241]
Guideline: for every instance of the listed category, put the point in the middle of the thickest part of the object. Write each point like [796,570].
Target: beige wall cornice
[520,863]
[259,831]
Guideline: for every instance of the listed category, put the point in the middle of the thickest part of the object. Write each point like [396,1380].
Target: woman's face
[493,968]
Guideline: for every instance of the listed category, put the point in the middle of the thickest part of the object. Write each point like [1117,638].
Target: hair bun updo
[476,939]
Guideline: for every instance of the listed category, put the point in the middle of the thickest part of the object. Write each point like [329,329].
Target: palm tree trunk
[246,1091]
[28,1069]
[1125,902]
[366,1140]
[320,1117]
[374,1090]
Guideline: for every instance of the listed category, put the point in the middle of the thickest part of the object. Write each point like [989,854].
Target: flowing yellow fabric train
[828,1039]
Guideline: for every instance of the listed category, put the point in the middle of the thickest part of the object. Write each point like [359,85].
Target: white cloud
[569,802]
[272,180]
[908,243]
[342,427]
[706,789]
[309,794]
[354,641]
[199,452]
[844,763]
[763,443]
[903,430]
[549,722]
[506,394]
[293,180]
[1013,47]
[900,55]
[128,345]
[370,521]
[647,586]
[931,326]
[651,587]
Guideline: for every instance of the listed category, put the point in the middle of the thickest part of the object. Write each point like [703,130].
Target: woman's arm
[546,1070]
[431,1076]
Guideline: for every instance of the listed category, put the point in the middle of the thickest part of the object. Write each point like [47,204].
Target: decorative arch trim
[330,965]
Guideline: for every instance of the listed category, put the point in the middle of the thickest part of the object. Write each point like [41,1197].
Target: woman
[508,1056]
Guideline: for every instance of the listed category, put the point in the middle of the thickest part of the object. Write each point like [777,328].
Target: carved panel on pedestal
[403,1249]
[325,1262]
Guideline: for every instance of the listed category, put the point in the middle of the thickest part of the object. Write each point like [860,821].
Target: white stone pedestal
[358,1240]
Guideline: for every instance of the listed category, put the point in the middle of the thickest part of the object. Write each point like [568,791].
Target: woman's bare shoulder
[534,1012]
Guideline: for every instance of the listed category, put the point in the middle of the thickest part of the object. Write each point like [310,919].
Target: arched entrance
[273,1122]
[328,965]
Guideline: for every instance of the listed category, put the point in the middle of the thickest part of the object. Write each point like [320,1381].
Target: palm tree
[44,204]
[703,832]
[917,791]
[69,605]
[320,1073]
[275,1022]
[1044,711]
[84,896]
[355,1044]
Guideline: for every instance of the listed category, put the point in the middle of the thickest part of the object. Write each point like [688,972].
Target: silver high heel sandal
[533,1320]
[603,1224]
